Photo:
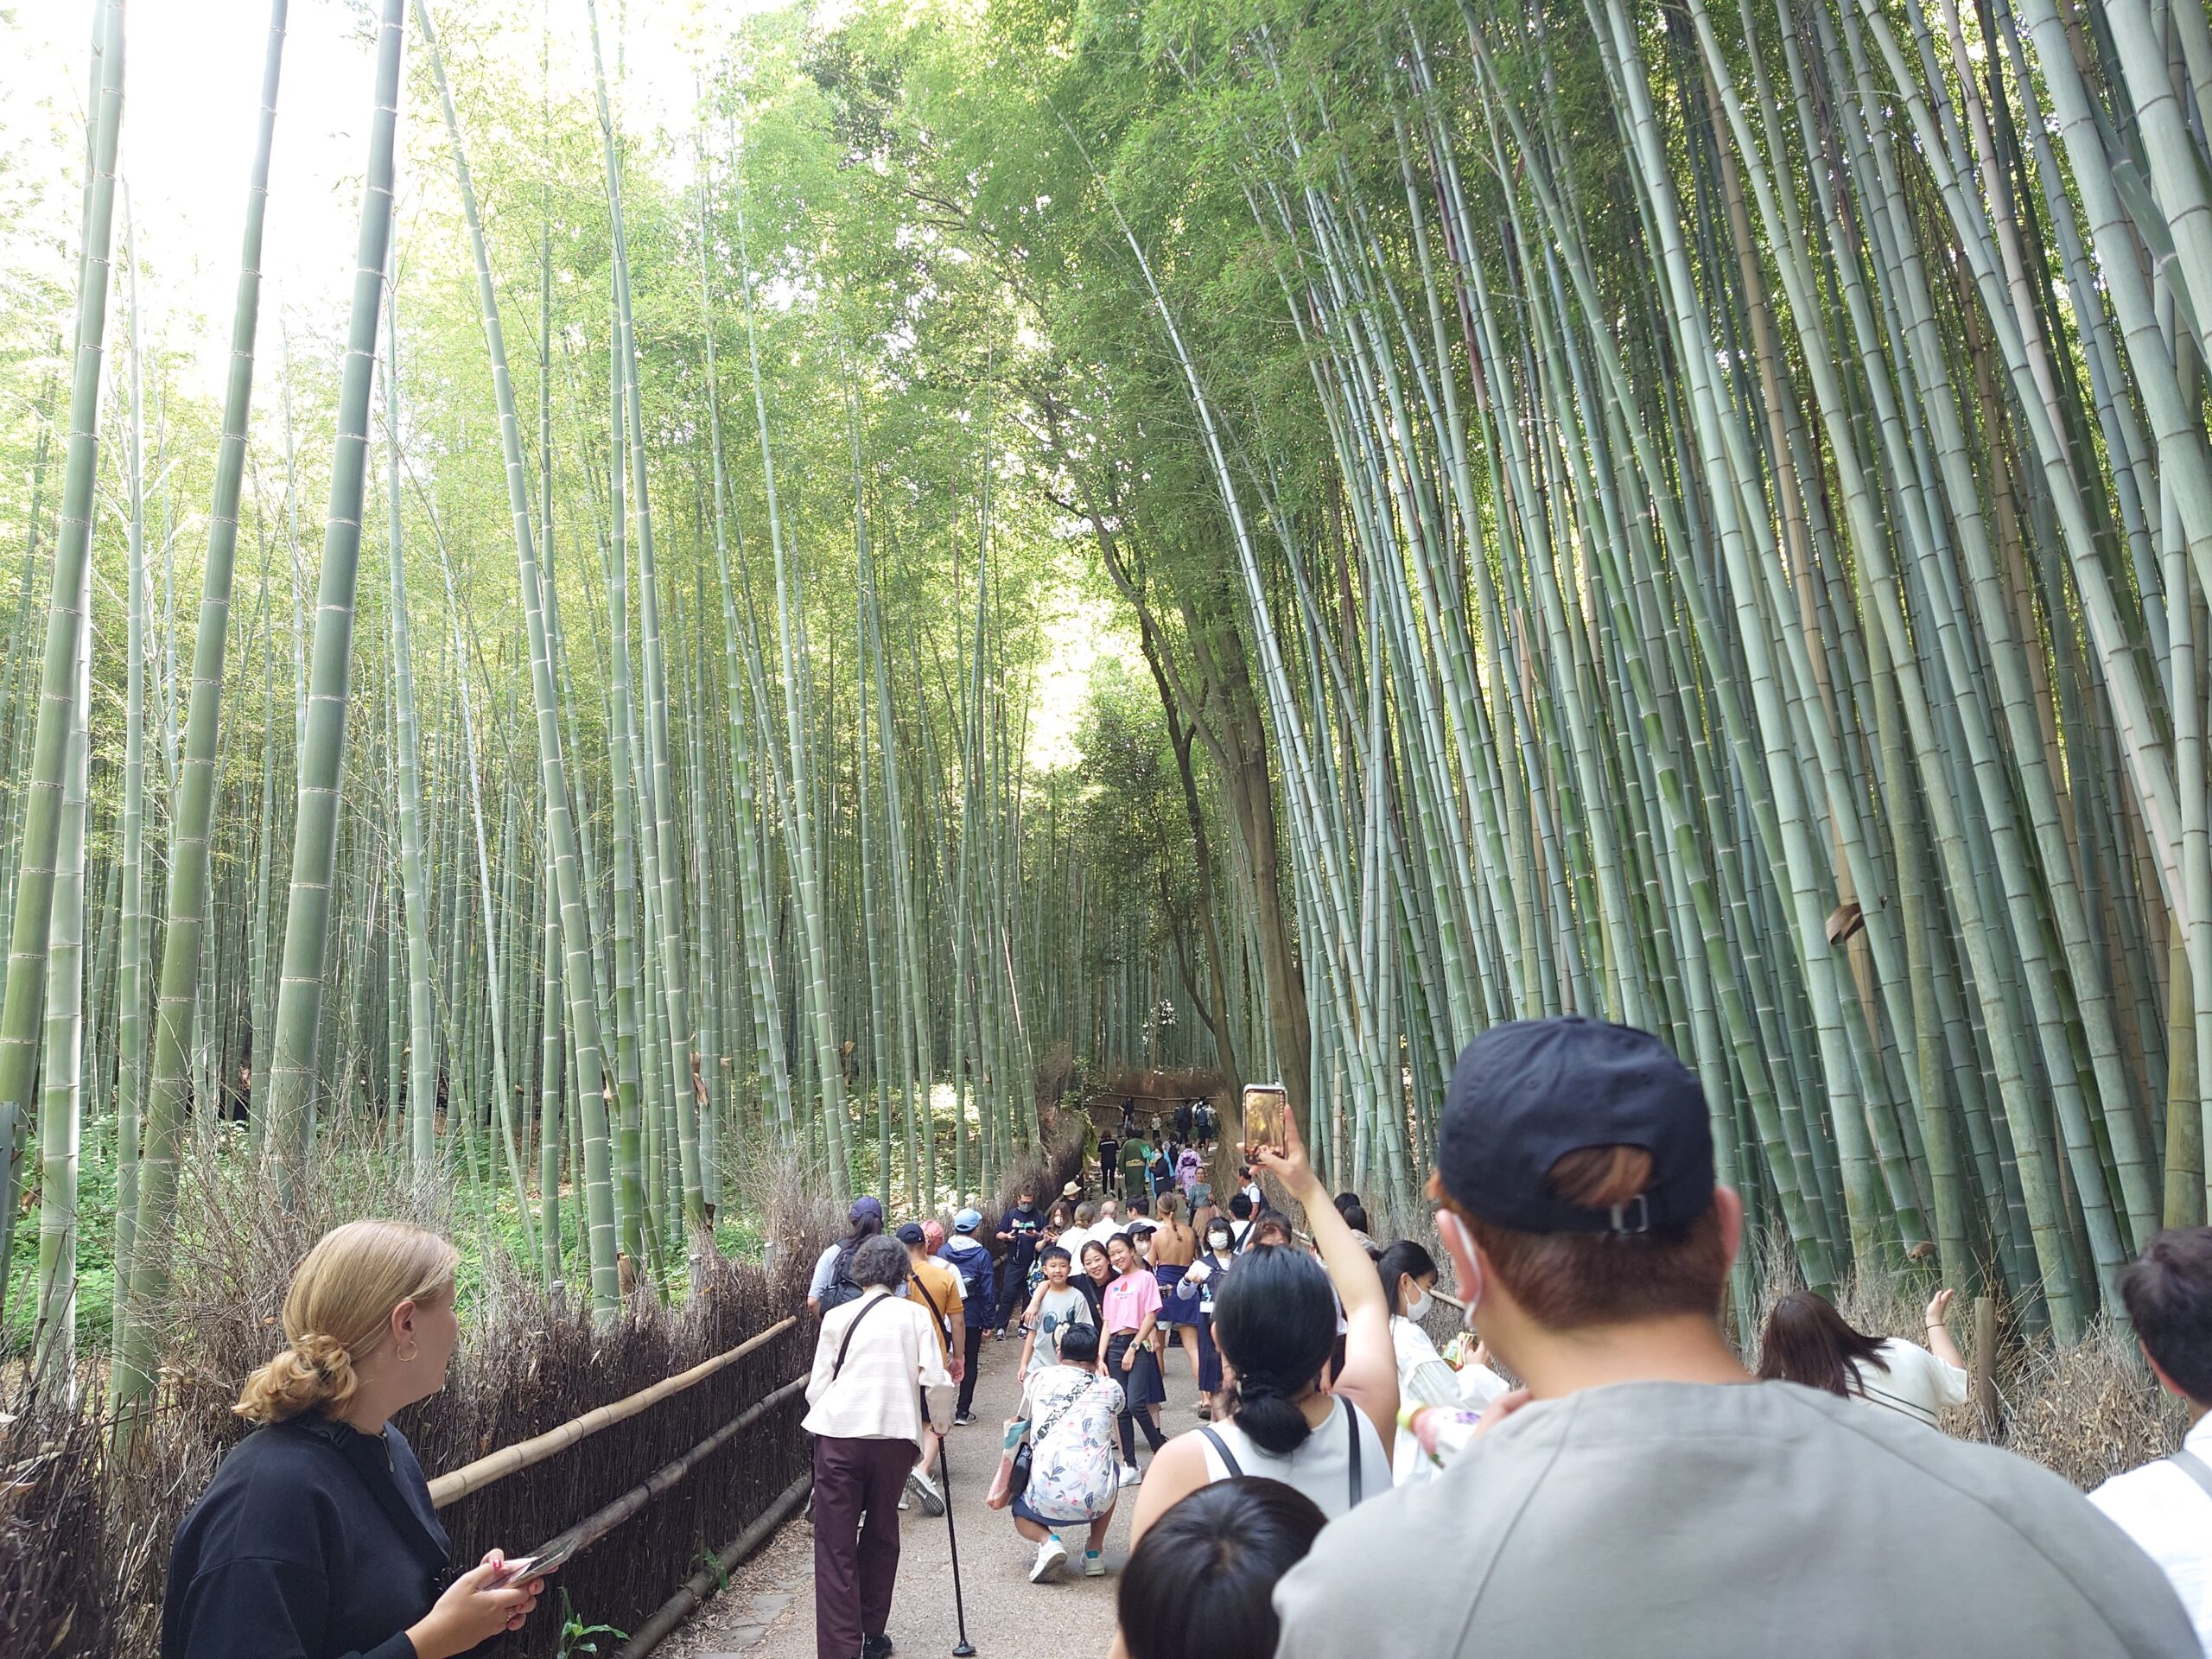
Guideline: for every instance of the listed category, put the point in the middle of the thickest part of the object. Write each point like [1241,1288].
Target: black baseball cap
[1526,1093]
[911,1233]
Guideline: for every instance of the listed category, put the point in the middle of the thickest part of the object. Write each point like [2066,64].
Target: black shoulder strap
[1228,1458]
[943,1319]
[2194,1467]
[1351,1422]
[845,1346]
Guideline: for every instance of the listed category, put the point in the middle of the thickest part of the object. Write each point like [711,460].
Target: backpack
[843,1289]
[974,1266]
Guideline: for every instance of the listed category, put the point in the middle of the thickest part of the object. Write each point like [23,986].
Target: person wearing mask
[316,1538]
[1020,1231]
[878,1376]
[1131,1310]
[1054,1307]
[1068,1408]
[1285,1416]
[1807,1341]
[1409,1275]
[1574,1166]
[832,1285]
[1200,1283]
[2166,1506]
[936,1287]
[1201,1584]
[978,1296]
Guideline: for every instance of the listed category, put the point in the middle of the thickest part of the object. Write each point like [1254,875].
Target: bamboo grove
[1694,513]
[1708,502]
[633,784]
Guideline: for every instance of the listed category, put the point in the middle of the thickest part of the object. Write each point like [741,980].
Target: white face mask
[1418,1308]
[1218,1241]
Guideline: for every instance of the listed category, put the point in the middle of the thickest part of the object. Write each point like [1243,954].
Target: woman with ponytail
[1282,1414]
[316,1539]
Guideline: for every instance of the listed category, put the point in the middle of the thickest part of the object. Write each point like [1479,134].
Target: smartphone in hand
[1266,1115]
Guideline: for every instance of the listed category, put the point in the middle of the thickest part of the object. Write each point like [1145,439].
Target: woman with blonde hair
[316,1539]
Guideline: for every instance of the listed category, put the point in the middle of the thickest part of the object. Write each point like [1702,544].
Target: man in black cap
[1643,1493]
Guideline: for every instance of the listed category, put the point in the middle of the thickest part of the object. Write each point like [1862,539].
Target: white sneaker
[923,1491]
[1051,1556]
[1131,1474]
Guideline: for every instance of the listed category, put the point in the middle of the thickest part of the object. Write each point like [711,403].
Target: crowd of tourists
[1586,1467]
[1587,1464]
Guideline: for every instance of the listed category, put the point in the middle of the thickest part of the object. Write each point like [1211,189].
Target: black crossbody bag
[1017,1479]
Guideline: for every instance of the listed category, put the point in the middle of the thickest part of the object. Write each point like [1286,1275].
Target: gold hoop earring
[409,1358]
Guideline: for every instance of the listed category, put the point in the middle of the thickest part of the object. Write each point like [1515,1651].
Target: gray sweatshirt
[1657,1519]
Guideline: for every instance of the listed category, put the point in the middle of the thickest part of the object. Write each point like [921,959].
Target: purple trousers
[856,1560]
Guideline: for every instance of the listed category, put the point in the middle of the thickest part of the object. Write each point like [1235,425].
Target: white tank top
[1322,1467]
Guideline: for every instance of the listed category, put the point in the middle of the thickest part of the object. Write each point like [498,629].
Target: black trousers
[1132,1419]
[968,1376]
[1012,1294]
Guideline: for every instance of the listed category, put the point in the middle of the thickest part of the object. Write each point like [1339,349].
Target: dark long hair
[1807,1341]
[1402,1259]
[1274,1320]
[1200,1584]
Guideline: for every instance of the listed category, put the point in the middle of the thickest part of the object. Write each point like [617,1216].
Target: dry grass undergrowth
[85,1533]
[2087,1410]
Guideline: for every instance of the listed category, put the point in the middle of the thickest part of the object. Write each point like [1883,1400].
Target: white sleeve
[825,1274]
[1479,1385]
[825,1360]
[1947,1382]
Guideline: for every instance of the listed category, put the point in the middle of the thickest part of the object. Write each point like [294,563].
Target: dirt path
[767,1612]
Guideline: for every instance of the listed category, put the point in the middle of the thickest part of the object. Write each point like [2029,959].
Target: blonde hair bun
[338,1312]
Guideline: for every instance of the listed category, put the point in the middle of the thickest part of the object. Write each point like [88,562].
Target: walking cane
[962,1649]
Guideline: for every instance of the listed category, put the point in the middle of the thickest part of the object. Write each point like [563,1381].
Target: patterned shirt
[1075,1472]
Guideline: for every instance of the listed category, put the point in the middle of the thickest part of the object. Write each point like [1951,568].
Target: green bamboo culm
[298,1018]
[22,1004]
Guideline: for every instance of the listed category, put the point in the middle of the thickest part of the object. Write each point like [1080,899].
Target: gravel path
[767,1612]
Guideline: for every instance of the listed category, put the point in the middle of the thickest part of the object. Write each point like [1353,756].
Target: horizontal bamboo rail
[511,1459]
[704,1583]
[603,1520]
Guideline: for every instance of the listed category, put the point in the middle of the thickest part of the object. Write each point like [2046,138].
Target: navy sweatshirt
[314,1541]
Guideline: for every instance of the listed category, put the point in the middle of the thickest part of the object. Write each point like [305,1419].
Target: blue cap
[967,1221]
[865,1209]
[1526,1093]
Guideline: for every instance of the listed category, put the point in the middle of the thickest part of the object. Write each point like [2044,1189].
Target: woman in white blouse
[876,1364]
[1425,1377]
[1807,1341]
